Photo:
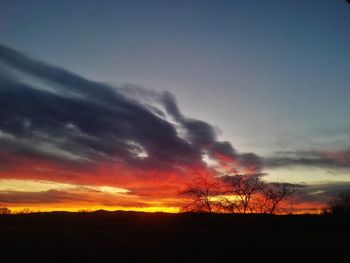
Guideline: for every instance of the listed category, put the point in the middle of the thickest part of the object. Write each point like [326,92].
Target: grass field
[157,237]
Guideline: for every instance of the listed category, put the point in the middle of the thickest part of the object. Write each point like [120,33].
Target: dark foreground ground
[156,237]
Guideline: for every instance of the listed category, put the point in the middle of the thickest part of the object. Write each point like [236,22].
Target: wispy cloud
[331,159]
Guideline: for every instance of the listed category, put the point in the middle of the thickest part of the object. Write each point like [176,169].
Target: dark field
[156,237]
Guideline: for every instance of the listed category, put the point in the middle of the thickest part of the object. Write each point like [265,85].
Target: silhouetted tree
[243,189]
[273,194]
[340,205]
[203,192]
[4,210]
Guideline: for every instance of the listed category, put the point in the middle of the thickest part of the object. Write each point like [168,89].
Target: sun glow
[18,185]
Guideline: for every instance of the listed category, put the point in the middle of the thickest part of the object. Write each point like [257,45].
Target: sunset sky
[115,104]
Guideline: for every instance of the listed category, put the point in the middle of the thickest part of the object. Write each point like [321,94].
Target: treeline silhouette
[6,211]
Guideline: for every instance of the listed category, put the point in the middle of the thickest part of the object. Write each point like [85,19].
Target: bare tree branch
[202,191]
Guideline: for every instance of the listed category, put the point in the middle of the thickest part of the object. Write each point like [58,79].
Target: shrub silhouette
[340,205]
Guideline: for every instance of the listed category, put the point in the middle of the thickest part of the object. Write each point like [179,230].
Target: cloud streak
[322,159]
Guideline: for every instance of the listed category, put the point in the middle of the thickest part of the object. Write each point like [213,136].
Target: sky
[113,104]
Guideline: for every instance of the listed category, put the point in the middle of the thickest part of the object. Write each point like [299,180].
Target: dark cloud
[199,133]
[204,136]
[51,113]
[224,148]
[322,159]
[250,160]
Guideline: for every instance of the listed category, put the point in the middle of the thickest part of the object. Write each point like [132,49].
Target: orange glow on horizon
[151,209]
[91,208]
[48,186]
